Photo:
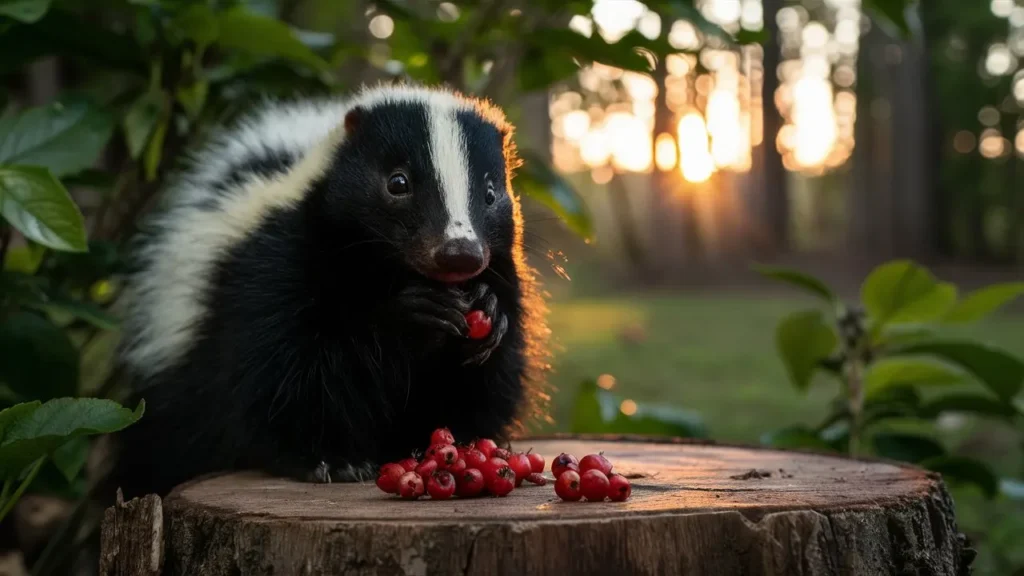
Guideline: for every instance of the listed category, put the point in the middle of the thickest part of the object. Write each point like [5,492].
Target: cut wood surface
[695,509]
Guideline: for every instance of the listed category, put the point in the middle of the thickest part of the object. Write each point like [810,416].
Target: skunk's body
[298,303]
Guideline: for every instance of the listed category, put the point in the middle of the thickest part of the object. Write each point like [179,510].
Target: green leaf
[27,11]
[262,36]
[980,303]
[155,151]
[597,411]
[892,12]
[25,259]
[894,372]
[198,23]
[799,279]
[1001,372]
[906,447]
[659,420]
[588,413]
[83,311]
[964,470]
[902,291]
[539,181]
[66,138]
[10,416]
[803,340]
[687,10]
[37,360]
[141,120]
[795,437]
[967,403]
[193,98]
[57,422]
[573,45]
[745,36]
[70,458]
[36,203]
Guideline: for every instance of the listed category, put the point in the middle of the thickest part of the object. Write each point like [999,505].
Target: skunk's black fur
[324,350]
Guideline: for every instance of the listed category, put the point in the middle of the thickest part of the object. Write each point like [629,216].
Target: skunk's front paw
[442,310]
[320,474]
[486,301]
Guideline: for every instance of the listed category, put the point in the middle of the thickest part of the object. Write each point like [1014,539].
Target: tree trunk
[694,509]
[774,231]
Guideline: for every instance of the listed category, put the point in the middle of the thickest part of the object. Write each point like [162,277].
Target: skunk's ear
[353,118]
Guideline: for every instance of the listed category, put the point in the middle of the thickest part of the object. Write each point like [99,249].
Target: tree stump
[695,509]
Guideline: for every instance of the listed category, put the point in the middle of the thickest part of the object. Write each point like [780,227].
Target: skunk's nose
[460,256]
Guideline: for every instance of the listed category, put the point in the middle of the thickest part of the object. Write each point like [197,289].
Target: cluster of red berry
[482,468]
[591,478]
[448,470]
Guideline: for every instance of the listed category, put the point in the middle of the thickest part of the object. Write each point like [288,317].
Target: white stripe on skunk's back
[198,223]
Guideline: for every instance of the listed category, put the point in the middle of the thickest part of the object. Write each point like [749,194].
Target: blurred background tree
[668,143]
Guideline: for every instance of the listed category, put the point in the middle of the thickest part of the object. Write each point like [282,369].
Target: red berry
[618,488]
[474,458]
[445,455]
[564,462]
[568,486]
[479,324]
[536,478]
[596,462]
[491,467]
[442,436]
[388,478]
[409,464]
[520,464]
[594,485]
[486,446]
[502,453]
[469,483]
[427,468]
[502,481]
[441,485]
[536,461]
[410,486]
[459,466]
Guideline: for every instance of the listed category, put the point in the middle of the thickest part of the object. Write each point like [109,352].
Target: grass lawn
[716,355]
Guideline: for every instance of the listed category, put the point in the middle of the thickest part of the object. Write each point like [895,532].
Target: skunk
[297,303]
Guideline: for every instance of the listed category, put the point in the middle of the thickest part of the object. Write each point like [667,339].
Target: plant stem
[855,392]
[5,240]
[8,484]
[9,504]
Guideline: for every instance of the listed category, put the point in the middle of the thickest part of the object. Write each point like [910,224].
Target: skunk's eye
[490,196]
[398,184]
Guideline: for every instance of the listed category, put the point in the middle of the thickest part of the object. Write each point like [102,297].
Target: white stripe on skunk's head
[433,169]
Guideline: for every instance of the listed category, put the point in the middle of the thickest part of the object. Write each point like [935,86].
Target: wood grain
[695,509]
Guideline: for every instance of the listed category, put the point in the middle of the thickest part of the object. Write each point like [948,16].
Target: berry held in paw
[479,325]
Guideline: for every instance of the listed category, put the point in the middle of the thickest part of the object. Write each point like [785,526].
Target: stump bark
[695,509]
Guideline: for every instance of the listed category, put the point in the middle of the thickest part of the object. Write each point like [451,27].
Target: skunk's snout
[459,259]
[460,256]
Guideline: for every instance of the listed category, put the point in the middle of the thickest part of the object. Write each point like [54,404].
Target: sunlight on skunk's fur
[297,301]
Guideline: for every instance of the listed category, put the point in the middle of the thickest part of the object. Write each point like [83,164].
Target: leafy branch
[892,363]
